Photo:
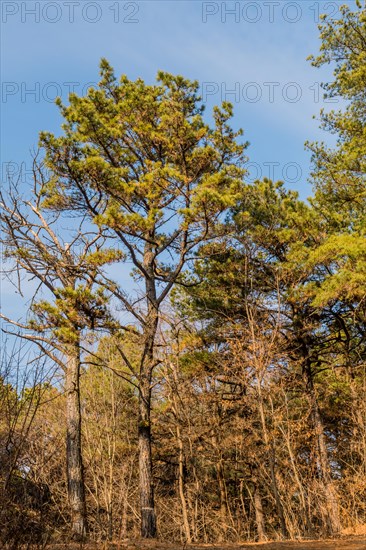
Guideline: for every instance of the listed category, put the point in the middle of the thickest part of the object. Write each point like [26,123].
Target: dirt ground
[354,543]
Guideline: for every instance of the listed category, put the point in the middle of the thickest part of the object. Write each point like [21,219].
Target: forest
[190,365]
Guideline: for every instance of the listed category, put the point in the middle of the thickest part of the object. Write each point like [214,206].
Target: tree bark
[220,475]
[276,493]
[181,485]
[324,467]
[270,451]
[323,464]
[305,514]
[187,530]
[259,516]
[74,463]
[147,505]
[148,517]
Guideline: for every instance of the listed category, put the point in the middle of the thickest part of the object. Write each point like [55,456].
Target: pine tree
[141,164]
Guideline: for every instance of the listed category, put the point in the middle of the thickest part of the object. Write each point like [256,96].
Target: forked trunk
[74,463]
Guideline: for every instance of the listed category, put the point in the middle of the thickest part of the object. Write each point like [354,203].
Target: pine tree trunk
[308,359]
[259,516]
[278,501]
[147,505]
[224,509]
[270,450]
[305,514]
[187,531]
[222,491]
[323,461]
[74,463]
[181,485]
[148,518]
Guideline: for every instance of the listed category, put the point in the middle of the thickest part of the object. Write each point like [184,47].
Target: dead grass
[350,543]
[359,530]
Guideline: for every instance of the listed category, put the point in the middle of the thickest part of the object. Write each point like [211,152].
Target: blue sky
[255,49]
[252,53]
